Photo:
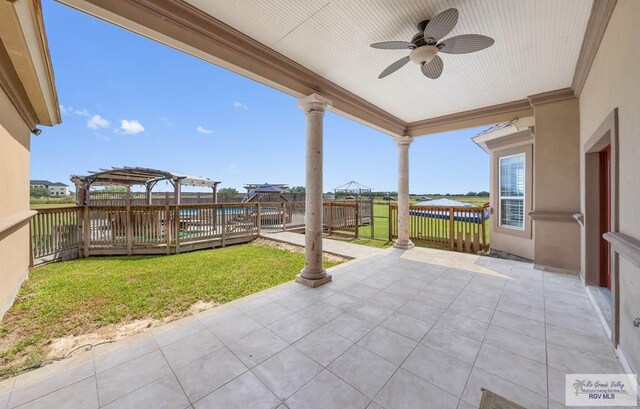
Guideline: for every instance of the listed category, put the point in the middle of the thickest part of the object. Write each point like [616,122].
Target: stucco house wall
[14,168]
[613,82]
[28,98]
[556,194]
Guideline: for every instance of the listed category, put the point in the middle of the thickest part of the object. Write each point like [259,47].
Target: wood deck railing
[55,233]
[111,198]
[72,232]
[459,228]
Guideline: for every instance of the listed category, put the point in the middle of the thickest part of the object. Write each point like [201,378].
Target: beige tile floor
[417,329]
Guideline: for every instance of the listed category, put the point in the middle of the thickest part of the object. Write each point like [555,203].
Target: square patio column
[403,241]
[313,274]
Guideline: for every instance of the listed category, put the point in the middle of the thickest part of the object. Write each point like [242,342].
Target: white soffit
[502,130]
[536,49]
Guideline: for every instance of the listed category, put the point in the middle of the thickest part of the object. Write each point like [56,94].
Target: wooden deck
[75,232]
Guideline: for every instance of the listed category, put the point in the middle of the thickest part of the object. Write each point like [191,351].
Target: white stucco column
[313,274]
[403,241]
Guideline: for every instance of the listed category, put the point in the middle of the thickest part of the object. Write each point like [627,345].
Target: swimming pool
[227,210]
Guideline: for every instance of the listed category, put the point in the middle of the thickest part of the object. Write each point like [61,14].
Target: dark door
[605,216]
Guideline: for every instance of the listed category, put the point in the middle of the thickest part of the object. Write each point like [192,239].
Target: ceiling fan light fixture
[428,43]
[424,54]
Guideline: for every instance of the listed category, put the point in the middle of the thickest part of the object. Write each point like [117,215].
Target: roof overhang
[506,134]
[223,33]
[26,74]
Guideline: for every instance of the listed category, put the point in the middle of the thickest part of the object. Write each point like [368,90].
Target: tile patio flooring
[417,329]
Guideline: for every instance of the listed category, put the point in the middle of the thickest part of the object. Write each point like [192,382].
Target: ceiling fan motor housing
[427,43]
[424,54]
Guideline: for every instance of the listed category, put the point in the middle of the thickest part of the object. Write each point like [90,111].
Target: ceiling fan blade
[393,45]
[441,25]
[466,43]
[433,68]
[394,67]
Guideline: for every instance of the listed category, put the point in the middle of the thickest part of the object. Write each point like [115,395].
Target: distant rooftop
[47,183]
[265,185]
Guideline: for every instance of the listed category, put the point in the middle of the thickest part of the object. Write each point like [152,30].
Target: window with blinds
[511,191]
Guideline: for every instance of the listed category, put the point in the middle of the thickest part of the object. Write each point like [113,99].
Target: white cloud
[71,110]
[240,106]
[131,127]
[203,130]
[97,122]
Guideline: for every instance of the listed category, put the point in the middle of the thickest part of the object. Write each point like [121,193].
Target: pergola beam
[129,176]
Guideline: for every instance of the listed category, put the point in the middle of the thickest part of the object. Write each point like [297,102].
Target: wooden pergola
[137,176]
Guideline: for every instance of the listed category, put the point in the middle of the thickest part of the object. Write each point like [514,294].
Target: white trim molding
[601,11]
[7,223]
[25,44]
[625,245]
[554,216]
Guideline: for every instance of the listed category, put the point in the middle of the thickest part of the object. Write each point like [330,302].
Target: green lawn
[381,224]
[79,297]
[51,202]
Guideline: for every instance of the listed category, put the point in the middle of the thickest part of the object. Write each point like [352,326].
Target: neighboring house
[55,188]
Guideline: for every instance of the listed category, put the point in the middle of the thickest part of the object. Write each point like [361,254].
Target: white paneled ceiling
[537,43]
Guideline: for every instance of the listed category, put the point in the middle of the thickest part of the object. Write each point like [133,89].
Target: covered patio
[328,56]
[419,329]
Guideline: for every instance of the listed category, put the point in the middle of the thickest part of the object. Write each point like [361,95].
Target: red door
[605,216]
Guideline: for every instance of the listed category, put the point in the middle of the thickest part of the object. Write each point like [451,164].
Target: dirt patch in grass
[62,347]
[201,306]
[363,241]
[296,249]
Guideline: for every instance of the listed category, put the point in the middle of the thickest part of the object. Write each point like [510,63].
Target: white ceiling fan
[427,43]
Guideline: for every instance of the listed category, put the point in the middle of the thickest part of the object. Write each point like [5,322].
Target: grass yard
[380,224]
[36,206]
[82,296]
[52,202]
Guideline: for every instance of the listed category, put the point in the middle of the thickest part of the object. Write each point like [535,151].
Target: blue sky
[130,101]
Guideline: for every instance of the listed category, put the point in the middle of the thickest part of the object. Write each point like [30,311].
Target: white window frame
[522,198]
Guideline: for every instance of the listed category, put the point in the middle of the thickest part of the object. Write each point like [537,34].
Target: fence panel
[339,216]
[107,226]
[108,230]
[55,233]
[199,222]
[149,225]
[102,198]
[459,228]
[272,215]
[294,215]
[242,219]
